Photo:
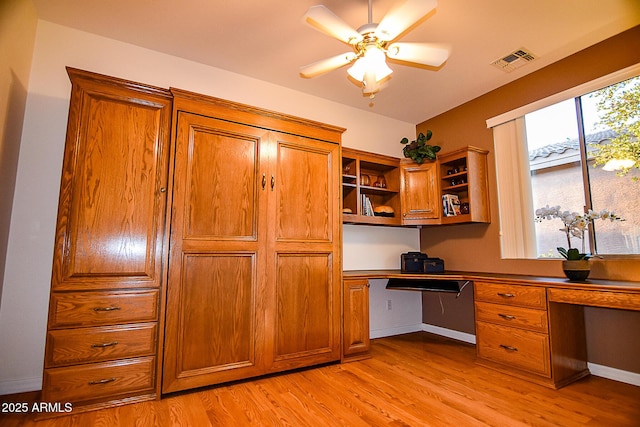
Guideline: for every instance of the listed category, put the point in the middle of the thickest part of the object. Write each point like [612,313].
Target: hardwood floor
[415,379]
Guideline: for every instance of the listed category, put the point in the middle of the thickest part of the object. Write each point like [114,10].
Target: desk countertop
[548,282]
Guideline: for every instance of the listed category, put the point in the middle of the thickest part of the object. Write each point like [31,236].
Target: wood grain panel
[420,197]
[221,192]
[113,189]
[527,318]
[86,383]
[102,308]
[304,186]
[514,347]
[217,312]
[624,301]
[355,318]
[306,314]
[520,295]
[82,345]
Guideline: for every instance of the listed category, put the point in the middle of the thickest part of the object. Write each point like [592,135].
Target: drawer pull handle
[507,316]
[508,347]
[106,308]
[103,381]
[107,344]
[506,295]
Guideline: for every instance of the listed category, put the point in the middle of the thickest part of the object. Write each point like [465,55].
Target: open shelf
[370,179]
[464,186]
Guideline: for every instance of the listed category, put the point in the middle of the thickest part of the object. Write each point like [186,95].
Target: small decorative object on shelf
[386,211]
[451,205]
[419,150]
[576,263]
[381,182]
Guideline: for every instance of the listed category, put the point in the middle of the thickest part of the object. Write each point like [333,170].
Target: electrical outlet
[388,304]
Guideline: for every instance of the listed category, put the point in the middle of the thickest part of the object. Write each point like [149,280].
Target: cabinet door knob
[508,347]
[273,182]
[163,190]
[264,180]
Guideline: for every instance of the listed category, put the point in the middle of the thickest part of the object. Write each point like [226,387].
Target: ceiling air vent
[514,60]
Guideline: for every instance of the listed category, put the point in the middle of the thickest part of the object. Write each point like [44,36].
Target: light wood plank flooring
[415,379]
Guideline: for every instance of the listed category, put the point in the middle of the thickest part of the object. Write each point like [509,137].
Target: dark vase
[576,270]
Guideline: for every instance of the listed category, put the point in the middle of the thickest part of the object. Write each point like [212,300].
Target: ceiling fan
[372,43]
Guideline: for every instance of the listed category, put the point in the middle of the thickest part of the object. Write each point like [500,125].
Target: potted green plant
[418,150]
[576,263]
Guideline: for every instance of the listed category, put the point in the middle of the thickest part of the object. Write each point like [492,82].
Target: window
[546,155]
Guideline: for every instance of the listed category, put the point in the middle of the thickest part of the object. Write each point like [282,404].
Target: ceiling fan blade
[326,21]
[430,54]
[397,20]
[326,65]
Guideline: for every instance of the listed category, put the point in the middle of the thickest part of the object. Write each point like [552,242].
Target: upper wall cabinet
[385,190]
[370,188]
[464,186]
[420,195]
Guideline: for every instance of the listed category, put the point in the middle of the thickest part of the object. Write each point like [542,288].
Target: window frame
[516,219]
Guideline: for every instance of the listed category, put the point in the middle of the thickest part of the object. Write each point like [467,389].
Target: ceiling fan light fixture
[373,62]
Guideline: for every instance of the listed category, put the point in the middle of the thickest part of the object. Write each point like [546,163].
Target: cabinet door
[215,311]
[304,266]
[112,198]
[419,191]
[355,324]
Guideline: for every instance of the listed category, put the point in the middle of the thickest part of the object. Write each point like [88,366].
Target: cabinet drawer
[102,308]
[515,348]
[519,317]
[85,345]
[86,383]
[522,295]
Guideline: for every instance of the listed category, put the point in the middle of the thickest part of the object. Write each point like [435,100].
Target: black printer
[417,262]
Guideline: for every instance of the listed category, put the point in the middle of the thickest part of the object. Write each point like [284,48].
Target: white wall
[23,313]
[375,248]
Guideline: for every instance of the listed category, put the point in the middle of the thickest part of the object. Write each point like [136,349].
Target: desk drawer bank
[530,327]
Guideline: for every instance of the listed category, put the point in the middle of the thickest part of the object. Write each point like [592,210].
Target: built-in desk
[528,326]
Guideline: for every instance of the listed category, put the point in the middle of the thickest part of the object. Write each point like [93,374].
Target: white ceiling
[268,40]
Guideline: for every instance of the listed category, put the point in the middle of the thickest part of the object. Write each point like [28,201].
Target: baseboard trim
[398,330]
[449,333]
[614,374]
[595,369]
[20,386]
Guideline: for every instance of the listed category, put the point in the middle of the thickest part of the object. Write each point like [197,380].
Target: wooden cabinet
[108,270]
[370,180]
[255,265]
[416,193]
[420,197]
[355,319]
[513,334]
[463,174]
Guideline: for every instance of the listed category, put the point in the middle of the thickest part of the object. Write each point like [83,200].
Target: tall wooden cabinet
[255,265]
[108,269]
